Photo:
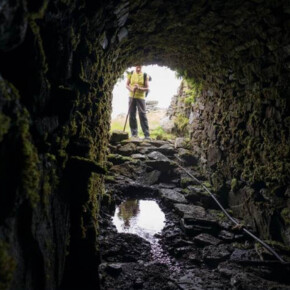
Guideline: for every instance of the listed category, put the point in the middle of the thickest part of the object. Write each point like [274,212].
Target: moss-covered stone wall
[59,62]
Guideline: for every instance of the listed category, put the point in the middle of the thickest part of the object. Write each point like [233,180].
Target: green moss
[234,184]
[75,39]
[36,31]
[279,246]
[181,122]
[30,173]
[285,215]
[207,184]
[185,181]
[109,178]
[40,13]
[119,159]
[7,266]
[4,125]
[185,191]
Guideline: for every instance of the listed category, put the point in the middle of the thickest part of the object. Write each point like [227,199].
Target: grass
[154,118]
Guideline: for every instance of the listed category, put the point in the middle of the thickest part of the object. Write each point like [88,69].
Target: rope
[230,217]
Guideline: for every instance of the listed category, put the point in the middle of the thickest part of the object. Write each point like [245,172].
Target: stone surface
[118,136]
[171,195]
[206,239]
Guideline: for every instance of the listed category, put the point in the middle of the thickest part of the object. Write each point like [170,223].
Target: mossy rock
[186,181]
[285,215]
[118,159]
[7,266]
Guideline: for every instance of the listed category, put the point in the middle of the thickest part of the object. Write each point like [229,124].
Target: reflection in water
[128,210]
[141,217]
[145,219]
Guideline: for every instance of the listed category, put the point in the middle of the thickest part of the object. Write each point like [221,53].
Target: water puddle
[140,217]
[145,219]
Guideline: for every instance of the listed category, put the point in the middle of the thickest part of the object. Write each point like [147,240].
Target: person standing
[137,84]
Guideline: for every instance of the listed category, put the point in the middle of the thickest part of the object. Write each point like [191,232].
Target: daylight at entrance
[163,87]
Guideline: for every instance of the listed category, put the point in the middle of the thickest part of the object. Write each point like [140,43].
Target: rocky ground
[200,247]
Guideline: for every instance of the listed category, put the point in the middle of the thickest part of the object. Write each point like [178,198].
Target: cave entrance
[163,86]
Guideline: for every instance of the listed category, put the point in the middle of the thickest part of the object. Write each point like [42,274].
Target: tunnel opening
[163,86]
[55,109]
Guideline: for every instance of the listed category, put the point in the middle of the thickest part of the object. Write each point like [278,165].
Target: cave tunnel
[59,61]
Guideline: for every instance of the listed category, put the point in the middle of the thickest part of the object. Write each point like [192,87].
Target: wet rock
[138,156]
[158,143]
[179,252]
[195,229]
[180,142]
[241,254]
[206,239]
[166,149]
[122,248]
[138,284]
[118,136]
[214,156]
[190,210]
[187,157]
[117,159]
[127,149]
[215,254]
[226,235]
[242,280]
[172,196]
[114,268]
[123,33]
[126,170]
[163,166]
[155,155]
[199,279]
[186,181]
[229,269]
[134,190]
[167,185]
[151,177]
[146,150]
[198,194]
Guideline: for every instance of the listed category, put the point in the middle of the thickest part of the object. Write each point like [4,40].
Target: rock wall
[243,146]
[59,62]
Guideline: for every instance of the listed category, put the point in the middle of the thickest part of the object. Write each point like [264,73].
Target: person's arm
[146,86]
[129,87]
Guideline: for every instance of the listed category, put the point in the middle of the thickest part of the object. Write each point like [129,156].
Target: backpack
[144,79]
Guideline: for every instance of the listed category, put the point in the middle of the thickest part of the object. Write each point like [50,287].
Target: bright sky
[163,87]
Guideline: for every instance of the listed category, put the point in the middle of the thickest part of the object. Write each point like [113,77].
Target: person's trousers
[133,105]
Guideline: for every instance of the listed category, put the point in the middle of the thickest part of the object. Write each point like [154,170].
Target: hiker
[137,84]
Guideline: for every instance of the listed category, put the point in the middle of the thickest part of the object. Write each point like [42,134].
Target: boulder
[172,196]
[151,177]
[127,149]
[180,142]
[167,124]
[118,136]
[187,157]
[204,239]
[155,155]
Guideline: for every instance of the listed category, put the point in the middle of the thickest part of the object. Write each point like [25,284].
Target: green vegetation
[234,184]
[30,172]
[4,125]
[181,123]
[285,214]
[156,132]
[7,266]
[159,134]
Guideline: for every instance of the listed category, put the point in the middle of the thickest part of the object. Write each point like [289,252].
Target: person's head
[138,68]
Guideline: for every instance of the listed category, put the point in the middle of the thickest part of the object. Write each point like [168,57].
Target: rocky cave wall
[59,62]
